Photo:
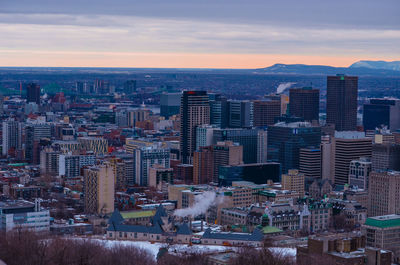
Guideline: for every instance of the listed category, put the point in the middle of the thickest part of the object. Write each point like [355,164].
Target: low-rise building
[341,249]
[23,215]
[233,239]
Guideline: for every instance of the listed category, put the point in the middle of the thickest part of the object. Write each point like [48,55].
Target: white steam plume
[201,204]
[283,86]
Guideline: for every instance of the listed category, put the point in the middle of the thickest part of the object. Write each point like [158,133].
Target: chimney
[202,225]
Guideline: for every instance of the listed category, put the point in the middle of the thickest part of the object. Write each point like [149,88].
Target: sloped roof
[257,235]
[116,218]
[156,229]
[183,229]
[157,216]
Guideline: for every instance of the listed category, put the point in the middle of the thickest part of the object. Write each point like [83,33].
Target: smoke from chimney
[201,204]
[283,86]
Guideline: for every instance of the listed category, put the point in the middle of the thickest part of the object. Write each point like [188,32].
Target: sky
[197,34]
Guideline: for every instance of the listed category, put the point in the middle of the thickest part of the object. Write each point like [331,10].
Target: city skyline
[246,34]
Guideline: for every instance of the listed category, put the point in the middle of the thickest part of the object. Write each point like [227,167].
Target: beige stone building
[99,186]
[384,193]
[293,181]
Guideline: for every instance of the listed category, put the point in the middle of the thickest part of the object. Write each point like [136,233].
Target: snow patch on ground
[183,248]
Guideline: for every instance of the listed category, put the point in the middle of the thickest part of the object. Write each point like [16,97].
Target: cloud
[357,28]
[138,34]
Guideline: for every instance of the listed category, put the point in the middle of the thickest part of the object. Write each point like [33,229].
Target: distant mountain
[303,69]
[395,65]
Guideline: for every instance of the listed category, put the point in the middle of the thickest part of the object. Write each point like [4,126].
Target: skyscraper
[347,146]
[286,139]
[311,162]
[382,112]
[218,110]
[248,138]
[170,104]
[341,101]
[304,103]
[12,133]
[240,113]
[194,111]
[265,112]
[33,93]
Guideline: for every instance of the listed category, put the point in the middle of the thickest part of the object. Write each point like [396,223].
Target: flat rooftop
[16,204]
[384,221]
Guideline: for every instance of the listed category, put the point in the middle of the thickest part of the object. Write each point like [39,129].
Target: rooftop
[16,204]
[137,214]
[349,135]
[385,221]
[298,124]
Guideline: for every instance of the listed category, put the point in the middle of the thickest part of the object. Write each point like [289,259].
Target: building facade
[341,102]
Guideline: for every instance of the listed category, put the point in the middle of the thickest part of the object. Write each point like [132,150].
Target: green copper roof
[137,214]
[18,164]
[384,221]
[270,229]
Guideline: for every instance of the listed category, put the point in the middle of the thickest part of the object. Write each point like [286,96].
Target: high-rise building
[208,160]
[347,146]
[382,112]
[205,135]
[384,193]
[146,157]
[33,93]
[226,153]
[385,156]
[240,113]
[134,116]
[262,146]
[248,138]
[12,133]
[160,178]
[286,139]
[203,165]
[258,173]
[119,168]
[49,162]
[170,104]
[341,101]
[1,104]
[293,181]
[265,112]
[70,165]
[218,110]
[194,111]
[33,134]
[99,189]
[326,157]
[130,86]
[359,172]
[304,103]
[310,162]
